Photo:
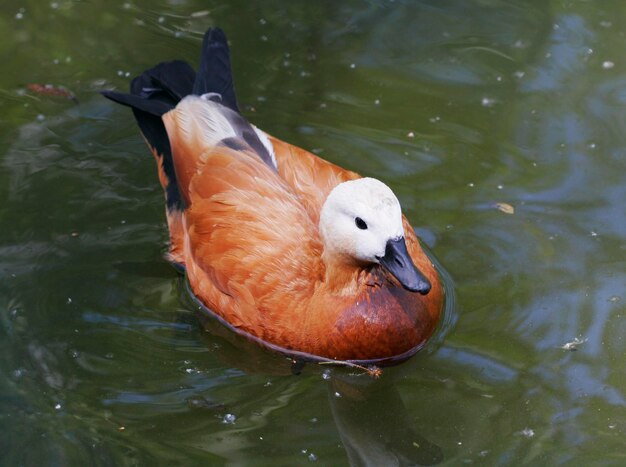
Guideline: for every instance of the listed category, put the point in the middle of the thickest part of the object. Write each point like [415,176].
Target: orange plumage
[247,230]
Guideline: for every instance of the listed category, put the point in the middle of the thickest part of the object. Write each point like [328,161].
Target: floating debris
[573,345]
[410,134]
[607,65]
[229,419]
[52,91]
[505,208]
[527,432]
[488,102]
[200,14]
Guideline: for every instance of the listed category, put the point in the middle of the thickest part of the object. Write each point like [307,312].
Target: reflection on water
[374,425]
[456,105]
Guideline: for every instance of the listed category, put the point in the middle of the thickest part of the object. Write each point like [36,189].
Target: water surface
[457,105]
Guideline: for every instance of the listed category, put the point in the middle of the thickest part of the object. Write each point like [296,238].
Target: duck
[291,251]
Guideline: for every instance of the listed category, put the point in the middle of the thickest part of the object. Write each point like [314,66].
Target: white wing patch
[267,143]
[204,119]
[201,118]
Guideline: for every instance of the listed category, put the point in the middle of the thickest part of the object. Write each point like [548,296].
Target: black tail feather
[158,90]
[214,74]
[153,93]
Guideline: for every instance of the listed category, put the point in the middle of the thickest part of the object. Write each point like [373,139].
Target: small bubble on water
[488,102]
[591,145]
[161,19]
[312,457]
[471,185]
[41,117]
[593,233]
[527,432]
[353,65]
[337,394]
[519,74]
[614,299]
[434,119]
[500,187]
[54,5]
[410,134]
[326,375]
[262,21]
[57,407]
[229,419]
[264,38]
[607,65]
[19,15]
[377,102]
[606,24]
[313,420]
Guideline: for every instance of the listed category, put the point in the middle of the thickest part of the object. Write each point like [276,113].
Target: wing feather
[250,237]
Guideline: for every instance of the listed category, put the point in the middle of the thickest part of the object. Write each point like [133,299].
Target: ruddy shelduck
[285,248]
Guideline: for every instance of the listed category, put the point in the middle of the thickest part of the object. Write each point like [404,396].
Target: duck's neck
[343,275]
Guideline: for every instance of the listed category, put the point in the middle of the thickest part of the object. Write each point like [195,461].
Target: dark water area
[501,126]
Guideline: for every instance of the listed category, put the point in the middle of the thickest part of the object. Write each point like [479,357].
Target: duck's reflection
[375,427]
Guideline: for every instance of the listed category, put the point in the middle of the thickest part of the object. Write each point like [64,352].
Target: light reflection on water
[457,105]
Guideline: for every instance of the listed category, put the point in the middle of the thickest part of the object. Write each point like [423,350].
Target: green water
[103,360]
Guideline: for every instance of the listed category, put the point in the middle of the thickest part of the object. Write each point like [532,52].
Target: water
[458,105]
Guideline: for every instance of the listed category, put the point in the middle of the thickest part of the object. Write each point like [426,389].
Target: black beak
[398,262]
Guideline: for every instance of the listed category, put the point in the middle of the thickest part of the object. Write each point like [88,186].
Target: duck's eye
[360,223]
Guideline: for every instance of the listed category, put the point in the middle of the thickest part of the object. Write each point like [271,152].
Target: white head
[358,218]
[361,221]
